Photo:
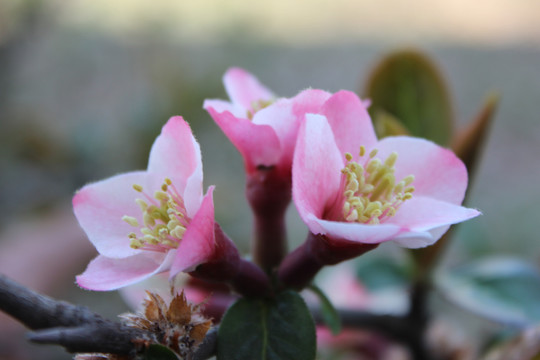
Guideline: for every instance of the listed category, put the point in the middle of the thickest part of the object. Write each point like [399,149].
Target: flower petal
[438,173]
[419,239]
[198,242]
[99,208]
[222,106]
[285,116]
[104,274]
[244,88]
[177,155]
[423,214]
[258,144]
[316,168]
[362,233]
[350,122]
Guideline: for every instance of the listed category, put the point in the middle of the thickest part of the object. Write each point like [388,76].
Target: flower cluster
[352,190]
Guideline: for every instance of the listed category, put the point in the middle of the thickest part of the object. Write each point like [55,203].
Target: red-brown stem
[268,191]
[226,266]
[300,267]
[244,277]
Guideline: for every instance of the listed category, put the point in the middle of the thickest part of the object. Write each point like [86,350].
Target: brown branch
[76,328]
[37,311]
[105,337]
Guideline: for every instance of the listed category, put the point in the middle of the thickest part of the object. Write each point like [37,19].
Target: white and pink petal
[100,206]
[105,274]
[350,122]
[176,155]
[356,232]
[316,168]
[423,214]
[286,115]
[198,243]
[245,89]
[438,172]
[258,144]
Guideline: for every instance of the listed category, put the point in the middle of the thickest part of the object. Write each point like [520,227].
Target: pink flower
[352,188]
[147,222]
[262,127]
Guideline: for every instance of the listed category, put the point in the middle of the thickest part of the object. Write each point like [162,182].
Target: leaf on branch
[328,311]
[268,329]
[410,87]
[159,352]
[502,289]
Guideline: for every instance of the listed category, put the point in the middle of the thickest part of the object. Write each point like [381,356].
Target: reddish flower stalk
[300,267]
[227,266]
[269,194]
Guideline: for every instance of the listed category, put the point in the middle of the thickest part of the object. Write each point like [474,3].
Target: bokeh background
[85,87]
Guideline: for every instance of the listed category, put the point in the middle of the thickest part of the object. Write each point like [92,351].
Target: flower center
[371,194]
[165,219]
[256,106]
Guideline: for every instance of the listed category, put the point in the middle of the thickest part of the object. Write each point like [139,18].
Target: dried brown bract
[179,326]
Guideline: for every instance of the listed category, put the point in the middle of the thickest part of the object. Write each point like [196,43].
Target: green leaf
[502,289]
[409,87]
[268,329]
[159,352]
[388,125]
[328,311]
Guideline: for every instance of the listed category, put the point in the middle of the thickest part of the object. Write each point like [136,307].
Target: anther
[164,224]
[371,194]
[142,204]
[162,196]
[362,151]
[391,159]
[130,220]
[407,180]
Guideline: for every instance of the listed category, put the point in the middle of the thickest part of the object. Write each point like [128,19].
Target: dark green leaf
[502,289]
[268,329]
[408,86]
[159,352]
[329,314]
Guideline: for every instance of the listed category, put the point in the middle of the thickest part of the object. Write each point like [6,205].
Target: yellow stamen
[164,217]
[256,106]
[130,220]
[362,151]
[371,193]
[161,195]
[142,204]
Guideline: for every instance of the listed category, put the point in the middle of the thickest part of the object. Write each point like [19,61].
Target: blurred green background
[86,86]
